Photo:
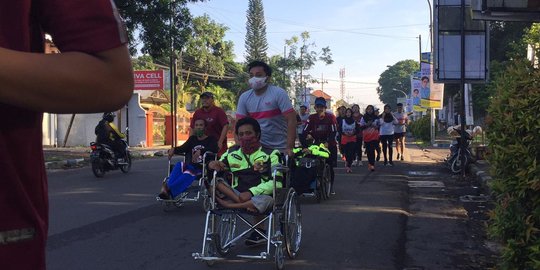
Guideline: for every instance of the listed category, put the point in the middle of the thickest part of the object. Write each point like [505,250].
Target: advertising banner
[415,93]
[148,79]
[431,94]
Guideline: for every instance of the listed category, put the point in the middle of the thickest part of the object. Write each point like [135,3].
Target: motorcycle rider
[107,133]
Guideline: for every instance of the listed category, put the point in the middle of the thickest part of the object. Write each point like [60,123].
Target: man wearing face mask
[216,120]
[271,107]
[252,185]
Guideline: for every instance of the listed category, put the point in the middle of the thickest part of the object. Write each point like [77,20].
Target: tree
[152,20]
[206,57]
[299,60]
[205,50]
[396,77]
[223,97]
[144,62]
[255,41]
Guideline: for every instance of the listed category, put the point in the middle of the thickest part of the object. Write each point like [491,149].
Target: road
[115,222]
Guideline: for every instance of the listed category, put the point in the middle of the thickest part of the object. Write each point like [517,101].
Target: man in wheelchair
[184,173]
[305,169]
[252,183]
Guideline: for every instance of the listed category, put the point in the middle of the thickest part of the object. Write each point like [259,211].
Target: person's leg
[384,148]
[370,149]
[402,146]
[228,192]
[396,140]
[359,149]
[350,151]
[378,149]
[390,140]
[332,161]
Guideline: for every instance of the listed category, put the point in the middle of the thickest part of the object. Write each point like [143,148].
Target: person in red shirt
[321,128]
[92,74]
[216,119]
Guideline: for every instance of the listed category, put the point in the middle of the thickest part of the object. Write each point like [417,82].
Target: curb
[482,176]
[64,163]
[72,163]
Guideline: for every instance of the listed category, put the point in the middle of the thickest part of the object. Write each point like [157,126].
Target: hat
[320,102]
[207,94]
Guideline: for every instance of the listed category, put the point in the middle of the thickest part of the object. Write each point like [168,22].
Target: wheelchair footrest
[263,256]
[198,256]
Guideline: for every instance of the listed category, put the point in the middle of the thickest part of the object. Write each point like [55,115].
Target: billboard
[148,79]
[447,39]
[424,92]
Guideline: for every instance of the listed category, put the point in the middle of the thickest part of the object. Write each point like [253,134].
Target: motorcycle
[453,160]
[104,159]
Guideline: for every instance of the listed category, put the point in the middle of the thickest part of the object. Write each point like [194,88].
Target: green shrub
[421,128]
[514,135]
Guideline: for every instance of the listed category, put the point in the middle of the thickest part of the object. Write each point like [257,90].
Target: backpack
[101,131]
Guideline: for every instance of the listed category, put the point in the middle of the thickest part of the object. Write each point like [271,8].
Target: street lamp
[397,90]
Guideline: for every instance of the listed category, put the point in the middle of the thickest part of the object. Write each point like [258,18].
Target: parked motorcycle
[104,159]
[453,160]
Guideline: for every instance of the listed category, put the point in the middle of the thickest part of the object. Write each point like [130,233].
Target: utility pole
[172,73]
[462,91]
[323,82]
[342,83]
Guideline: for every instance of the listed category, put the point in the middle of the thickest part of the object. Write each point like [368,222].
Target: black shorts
[399,135]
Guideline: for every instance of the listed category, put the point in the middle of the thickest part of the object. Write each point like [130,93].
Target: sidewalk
[75,157]
[446,226]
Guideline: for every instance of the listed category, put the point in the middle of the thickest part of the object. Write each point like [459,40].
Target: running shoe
[391,163]
[371,167]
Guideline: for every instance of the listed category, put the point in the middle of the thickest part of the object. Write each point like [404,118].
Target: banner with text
[148,79]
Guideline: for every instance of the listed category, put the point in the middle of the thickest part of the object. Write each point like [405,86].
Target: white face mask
[257,83]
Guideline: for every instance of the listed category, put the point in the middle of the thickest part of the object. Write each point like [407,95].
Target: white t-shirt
[401,126]
[269,109]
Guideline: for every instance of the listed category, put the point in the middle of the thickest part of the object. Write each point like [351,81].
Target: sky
[365,36]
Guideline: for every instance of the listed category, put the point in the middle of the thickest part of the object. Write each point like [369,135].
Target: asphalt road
[115,223]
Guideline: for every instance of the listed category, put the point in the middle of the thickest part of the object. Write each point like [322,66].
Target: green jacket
[245,178]
[316,150]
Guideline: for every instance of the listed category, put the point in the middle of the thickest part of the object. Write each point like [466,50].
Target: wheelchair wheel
[206,200]
[319,193]
[225,225]
[292,225]
[327,183]
[279,257]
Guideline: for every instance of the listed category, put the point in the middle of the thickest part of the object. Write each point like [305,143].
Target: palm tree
[222,97]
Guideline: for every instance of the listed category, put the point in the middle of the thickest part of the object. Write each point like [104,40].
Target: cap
[207,94]
[320,102]
[303,106]
[400,104]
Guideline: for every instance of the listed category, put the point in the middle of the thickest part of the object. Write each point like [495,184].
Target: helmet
[109,116]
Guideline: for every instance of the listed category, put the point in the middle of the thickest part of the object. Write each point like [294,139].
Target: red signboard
[148,79]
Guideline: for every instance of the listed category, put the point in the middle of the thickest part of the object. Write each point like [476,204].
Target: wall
[137,121]
[82,130]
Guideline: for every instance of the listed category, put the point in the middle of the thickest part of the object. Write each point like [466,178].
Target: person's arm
[186,146]
[66,82]
[116,131]
[267,187]
[291,130]
[223,120]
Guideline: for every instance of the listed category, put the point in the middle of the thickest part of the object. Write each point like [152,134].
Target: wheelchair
[320,184]
[197,191]
[283,231]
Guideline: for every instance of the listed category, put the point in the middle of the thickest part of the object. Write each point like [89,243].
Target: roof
[320,93]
